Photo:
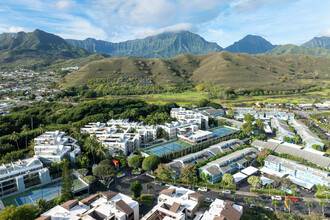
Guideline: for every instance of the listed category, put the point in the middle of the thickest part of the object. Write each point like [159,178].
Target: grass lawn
[146,199]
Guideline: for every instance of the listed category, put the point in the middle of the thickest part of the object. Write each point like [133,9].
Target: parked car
[168,185]
[252,206]
[279,198]
[226,191]
[203,189]
[291,198]
[208,200]
[264,197]
[268,208]
[158,183]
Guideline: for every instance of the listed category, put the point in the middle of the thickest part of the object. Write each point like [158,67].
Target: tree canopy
[136,188]
[135,161]
[150,162]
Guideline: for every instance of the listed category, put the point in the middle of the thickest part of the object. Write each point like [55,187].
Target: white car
[158,183]
[279,198]
[252,206]
[203,189]
[268,208]
[226,191]
[208,200]
[168,185]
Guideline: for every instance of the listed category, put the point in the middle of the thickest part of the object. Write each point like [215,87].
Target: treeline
[40,116]
[216,91]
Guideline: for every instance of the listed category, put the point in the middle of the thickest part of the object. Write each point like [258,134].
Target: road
[243,191]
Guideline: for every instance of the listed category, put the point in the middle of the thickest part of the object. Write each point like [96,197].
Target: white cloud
[171,28]
[14,29]
[63,5]
[325,33]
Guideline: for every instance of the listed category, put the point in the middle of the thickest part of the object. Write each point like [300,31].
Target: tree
[135,161]
[90,144]
[262,155]
[14,137]
[309,205]
[24,212]
[323,203]
[228,179]
[104,172]
[149,187]
[247,128]
[119,187]
[317,147]
[67,182]
[189,174]
[25,129]
[275,203]
[234,197]
[260,200]
[42,206]
[136,188]
[249,118]
[221,195]
[150,162]
[246,199]
[255,181]
[268,186]
[205,177]
[164,171]
[99,151]
[294,189]
[259,125]
[251,200]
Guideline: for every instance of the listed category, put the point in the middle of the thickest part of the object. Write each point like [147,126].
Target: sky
[220,21]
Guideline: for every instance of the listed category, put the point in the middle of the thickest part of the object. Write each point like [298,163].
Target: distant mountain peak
[163,45]
[251,44]
[322,42]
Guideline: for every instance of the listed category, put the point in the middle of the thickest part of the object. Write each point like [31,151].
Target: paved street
[243,191]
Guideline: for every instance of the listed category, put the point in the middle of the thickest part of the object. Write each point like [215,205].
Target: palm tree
[251,200]
[294,189]
[42,205]
[234,197]
[25,129]
[89,145]
[14,137]
[246,199]
[322,203]
[100,151]
[268,186]
[309,205]
[31,144]
[149,187]
[275,203]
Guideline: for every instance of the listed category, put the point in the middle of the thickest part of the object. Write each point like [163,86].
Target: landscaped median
[273,192]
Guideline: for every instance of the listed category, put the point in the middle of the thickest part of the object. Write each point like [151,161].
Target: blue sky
[220,21]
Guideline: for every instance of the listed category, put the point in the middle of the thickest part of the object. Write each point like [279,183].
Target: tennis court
[166,148]
[223,131]
[46,193]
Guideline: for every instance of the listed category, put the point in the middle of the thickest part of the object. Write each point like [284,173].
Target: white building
[175,203]
[120,134]
[54,146]
[172,129]
[182,114]
[20,175]
[104,205]
[220,209]
[193,134]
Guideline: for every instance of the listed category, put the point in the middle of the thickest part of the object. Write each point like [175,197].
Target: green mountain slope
[293,49]
[36,45]
[165,45]
[323,42]
[224,69]
[250,44]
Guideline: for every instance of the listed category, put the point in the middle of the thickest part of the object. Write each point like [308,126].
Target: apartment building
[54,146]
[265,114]
[193,134]
[228,164]
[21,175]
[223,209]
[282,129]
[308,137]
[105,205]
[120,134]
[173,128]
[177,164]
[310,155]
[183,114]
[298,173]
[176,203]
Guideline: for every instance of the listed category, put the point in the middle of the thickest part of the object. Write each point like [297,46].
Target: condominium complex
[54,146]
[223,209]
[192,116]
[265,114]
[308,137]
[176,203]
[20,175]
[298,173]
[120,134]
[177,164]
[173,128]
[228,164]
[105,205]
[282,129]
[310,155]
[192,134]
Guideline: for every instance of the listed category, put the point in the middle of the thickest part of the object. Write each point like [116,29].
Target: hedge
[273,192]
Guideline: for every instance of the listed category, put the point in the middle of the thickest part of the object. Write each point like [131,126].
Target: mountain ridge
[251,44]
